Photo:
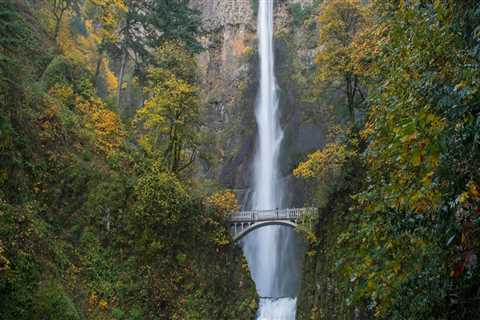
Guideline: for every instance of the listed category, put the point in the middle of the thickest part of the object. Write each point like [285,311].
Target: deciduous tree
[340,23]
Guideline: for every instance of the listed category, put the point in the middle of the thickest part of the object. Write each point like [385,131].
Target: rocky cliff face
[229,82]
[229,31]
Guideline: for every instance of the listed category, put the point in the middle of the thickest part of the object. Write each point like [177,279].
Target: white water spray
[267,193]
[279,309]
[265,249]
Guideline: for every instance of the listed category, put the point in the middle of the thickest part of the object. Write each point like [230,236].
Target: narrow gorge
[274,253]
[239,160]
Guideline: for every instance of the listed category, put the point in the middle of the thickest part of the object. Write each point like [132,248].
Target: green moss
[254,6]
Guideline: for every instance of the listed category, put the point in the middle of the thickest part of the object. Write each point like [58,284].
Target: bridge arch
[242,223]
[261,224]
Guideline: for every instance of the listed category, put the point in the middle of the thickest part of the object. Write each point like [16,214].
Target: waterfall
[270,250]
[266,180]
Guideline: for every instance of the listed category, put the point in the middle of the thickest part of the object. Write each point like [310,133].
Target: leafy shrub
[52,303]
[300,12]
[64,71]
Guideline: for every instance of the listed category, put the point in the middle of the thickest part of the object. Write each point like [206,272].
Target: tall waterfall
[269,249]
[267,190]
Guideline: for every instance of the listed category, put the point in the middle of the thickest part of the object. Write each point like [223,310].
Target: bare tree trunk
[173,155]
[120,79]
[97,69]
[59,8]
[350,96]
[58,22]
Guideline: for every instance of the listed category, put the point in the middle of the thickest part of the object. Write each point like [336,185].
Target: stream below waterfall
[273,252]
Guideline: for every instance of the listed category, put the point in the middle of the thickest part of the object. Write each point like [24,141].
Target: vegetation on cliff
[100,214]
[399,182]
[103,214]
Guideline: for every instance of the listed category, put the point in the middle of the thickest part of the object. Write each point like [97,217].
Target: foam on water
[277,309]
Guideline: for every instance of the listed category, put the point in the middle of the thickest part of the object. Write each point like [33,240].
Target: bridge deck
[242,223]
[270,215]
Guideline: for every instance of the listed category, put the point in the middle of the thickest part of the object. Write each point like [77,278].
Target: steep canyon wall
[229,86]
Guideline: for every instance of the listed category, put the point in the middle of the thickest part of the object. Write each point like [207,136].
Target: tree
[414,216]
[173,20]
[59,8]
[171,117]
[171,114]
[174,55]
[147,25]
[91,227]
[106,14]
[224,201]
[341,23]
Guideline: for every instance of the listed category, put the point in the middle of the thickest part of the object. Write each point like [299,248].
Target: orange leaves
[473,190]
[110,78]
[223,202]
[307,168]
[95,303]
[104,123]
[107,128]
[93,299]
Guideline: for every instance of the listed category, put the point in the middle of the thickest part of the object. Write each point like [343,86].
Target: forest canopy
[399,183]
[97,217]
[106,208]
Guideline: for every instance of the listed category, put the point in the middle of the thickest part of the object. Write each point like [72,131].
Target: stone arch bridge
[242,223]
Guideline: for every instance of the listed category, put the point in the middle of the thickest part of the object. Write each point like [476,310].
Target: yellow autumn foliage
[170,111]
[342,22]
[472,193]
[83,49]
[109,13]
[320,162]
[110,78]
[106,123]
[224,201]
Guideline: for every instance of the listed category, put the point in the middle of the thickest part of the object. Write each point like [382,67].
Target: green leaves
[171,116]
[91,225]
[421,159]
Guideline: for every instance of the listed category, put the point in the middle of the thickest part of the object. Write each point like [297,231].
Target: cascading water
[267,191]
[270,251]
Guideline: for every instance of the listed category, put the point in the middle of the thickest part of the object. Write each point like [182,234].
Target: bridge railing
[275,214]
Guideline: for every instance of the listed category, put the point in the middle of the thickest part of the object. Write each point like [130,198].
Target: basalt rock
[228,68]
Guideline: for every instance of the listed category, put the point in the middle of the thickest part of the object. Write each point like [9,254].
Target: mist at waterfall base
[273,252]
